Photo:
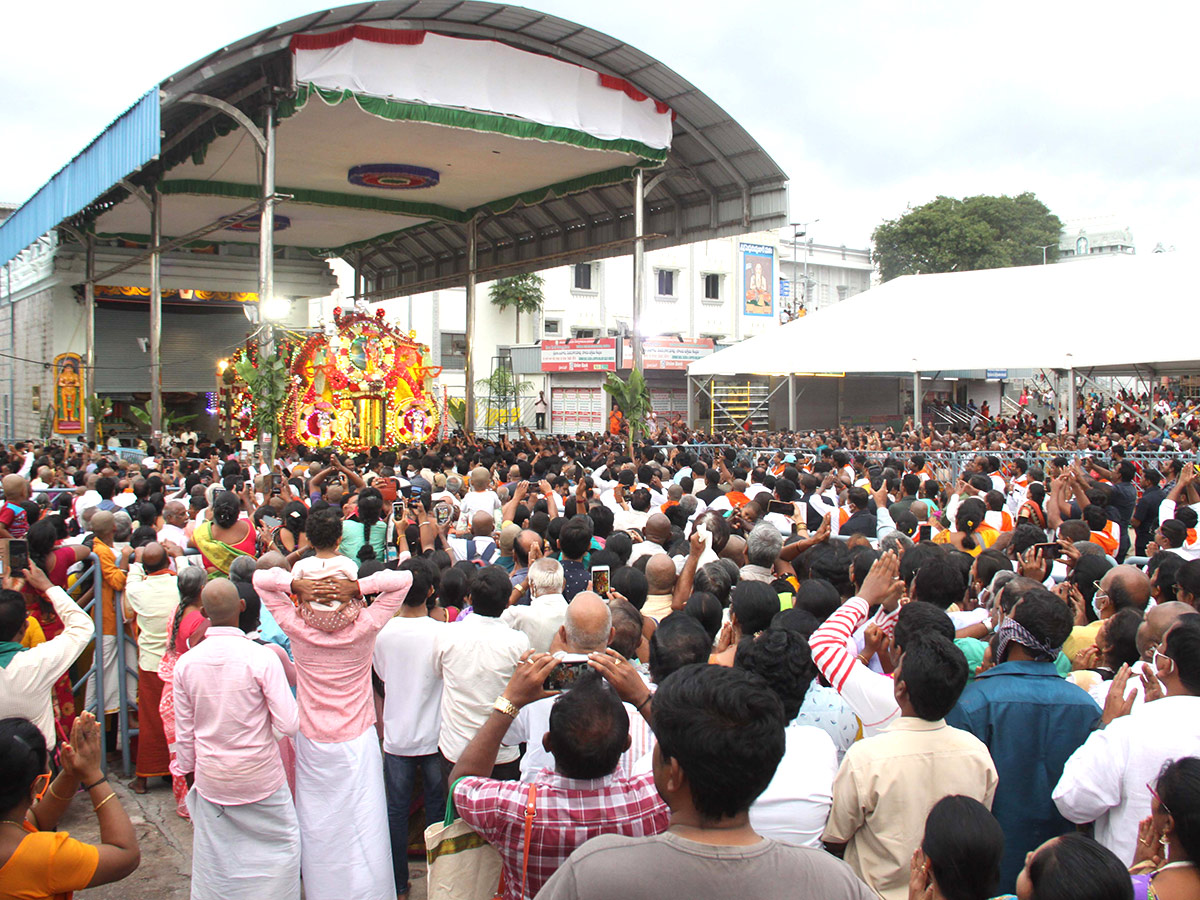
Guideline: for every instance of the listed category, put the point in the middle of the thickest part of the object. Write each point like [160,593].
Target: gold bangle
[505,706]
[96,808]
[56,794]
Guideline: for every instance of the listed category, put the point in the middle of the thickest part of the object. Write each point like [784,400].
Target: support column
[791,417]
[155,315]
[88,386]
[1071,413]
[917,401]
[469,371]
[840,400]
[691,402]
[266,261]
[639,265]
[12,362]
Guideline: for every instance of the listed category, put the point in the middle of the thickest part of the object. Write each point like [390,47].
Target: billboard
[580,355]
[668,354]
[758,280]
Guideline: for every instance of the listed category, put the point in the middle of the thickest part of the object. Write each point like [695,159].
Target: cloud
[868,106]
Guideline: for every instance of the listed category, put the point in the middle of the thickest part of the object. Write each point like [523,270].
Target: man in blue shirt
[1031,720]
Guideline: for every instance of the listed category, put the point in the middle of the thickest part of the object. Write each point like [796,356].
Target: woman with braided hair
[972,534]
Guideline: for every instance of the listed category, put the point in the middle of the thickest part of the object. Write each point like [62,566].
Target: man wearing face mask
[1106,780]
[1122,587]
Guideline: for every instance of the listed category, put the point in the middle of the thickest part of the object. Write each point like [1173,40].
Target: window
[454,350]
[583,277]
[712,287]
[583,332]
[552,327]
[843,292]
[665,280]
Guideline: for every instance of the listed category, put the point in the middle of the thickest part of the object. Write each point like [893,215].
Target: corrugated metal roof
[717,180]
[126,145]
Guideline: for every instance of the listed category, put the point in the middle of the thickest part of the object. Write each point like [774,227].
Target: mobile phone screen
[784,509]
[564,675]
[398,509]
[441,514]
[1048,551]
[600,580]
[924,531]
[18,556]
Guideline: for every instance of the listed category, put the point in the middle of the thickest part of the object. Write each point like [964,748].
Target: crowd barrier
[946,465]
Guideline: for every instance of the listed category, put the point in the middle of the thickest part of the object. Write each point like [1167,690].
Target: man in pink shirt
[231,694]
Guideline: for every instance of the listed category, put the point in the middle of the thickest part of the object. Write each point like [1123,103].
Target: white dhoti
[247,852]
[112,683]
[346,849]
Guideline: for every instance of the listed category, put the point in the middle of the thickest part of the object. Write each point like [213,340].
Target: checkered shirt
[569,811]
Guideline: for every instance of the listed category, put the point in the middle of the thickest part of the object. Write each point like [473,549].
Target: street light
[797,233]
[1044,248]
[275,309]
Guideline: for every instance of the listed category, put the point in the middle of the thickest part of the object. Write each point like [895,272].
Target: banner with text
[758,280]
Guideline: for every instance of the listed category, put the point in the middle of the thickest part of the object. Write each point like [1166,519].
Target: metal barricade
[95,672]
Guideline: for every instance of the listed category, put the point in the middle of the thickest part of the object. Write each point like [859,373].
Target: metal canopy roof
[716,179]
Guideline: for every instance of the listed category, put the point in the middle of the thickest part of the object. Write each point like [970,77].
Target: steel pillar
[266,259]
[155,316]
[469,369]
[1071,412]
[917,401]
[88,386]
[791,416]
[639,264]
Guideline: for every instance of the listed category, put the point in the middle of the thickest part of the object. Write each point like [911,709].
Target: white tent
[1122,314]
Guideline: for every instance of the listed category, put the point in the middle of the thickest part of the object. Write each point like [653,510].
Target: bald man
[112,579]
[175,520]
[660,580]
[656,535]
[1122,587]
[151,596]
[14,523]
[231,694]
[478,546]
[588,628]
[1156,624]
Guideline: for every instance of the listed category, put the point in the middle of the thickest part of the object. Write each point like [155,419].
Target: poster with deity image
[758,280]
[68,394]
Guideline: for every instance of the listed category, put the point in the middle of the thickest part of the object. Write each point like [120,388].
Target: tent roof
[537,191]
[1115,315]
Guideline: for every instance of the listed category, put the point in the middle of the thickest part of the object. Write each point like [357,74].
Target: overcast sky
[869,107]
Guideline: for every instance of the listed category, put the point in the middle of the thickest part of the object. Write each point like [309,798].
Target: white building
[717,291]
[1082,238]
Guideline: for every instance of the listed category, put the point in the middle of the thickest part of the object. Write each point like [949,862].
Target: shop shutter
[192,342]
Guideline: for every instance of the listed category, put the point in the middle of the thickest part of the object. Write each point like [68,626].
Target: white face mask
[1096,608]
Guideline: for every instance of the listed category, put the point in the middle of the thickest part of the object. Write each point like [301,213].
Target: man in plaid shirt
[580,799]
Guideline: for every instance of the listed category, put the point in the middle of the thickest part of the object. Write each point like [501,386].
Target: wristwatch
[504,705]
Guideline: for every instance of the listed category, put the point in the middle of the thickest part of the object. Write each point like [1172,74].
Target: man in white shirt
[412,715]
[479,544]
[632,510]
[475,659]
[1105,780]
[152,595]
[27,676]
[175,520]
[547,608]
[587,628]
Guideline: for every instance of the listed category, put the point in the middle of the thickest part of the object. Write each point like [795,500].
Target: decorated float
[357,384]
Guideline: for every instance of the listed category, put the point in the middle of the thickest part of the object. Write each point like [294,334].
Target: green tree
[170,421]
[633,396]
[268,383]
[522,292]
[950,235]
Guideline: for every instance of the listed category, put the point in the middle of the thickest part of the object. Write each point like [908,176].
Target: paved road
[166,843]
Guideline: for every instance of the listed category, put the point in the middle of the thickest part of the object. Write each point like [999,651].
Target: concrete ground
[166,843]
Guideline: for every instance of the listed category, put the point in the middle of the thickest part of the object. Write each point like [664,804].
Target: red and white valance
[485,76]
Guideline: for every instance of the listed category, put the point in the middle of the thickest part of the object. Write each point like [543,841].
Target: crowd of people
[696,665]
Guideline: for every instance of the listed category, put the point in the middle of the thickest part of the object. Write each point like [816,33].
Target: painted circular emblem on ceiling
[393,176]
[252,224]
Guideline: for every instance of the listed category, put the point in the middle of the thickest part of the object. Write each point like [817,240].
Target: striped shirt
[868,693]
